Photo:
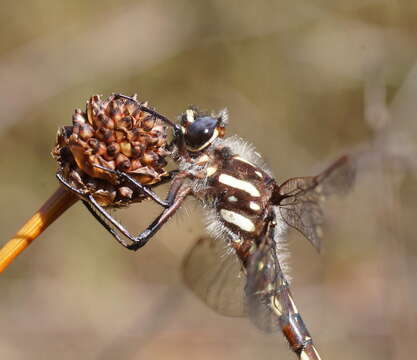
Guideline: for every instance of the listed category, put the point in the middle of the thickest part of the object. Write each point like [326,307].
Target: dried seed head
[117,134]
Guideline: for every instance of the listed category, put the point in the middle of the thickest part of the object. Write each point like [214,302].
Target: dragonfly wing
[301,198]
[215,276]
[263,274]
[270,303]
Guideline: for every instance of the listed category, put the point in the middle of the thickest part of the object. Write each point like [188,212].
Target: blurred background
[305,81]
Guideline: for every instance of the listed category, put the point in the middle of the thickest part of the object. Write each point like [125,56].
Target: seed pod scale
[117,134]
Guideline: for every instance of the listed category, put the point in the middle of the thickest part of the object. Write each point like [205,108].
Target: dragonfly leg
[98,214]
[176,197]
[62,180]
[133,181]
[178,133]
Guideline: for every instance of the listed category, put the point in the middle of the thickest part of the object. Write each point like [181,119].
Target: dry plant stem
[60,201]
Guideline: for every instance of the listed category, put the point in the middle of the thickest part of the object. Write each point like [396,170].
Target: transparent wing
[263,280]
[270,302]
[301,198]
[215,276]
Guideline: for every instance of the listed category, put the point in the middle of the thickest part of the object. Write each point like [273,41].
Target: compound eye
[201,132]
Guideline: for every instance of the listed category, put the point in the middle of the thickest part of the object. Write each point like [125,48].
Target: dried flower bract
[116,134]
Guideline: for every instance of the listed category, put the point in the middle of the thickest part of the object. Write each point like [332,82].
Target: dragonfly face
[247,214]
[201,130]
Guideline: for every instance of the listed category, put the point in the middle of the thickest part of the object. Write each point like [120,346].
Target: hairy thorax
[235,193]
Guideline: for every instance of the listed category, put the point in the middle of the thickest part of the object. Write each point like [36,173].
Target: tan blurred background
[305,81]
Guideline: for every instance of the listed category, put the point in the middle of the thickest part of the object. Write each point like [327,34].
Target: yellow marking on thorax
[259,174]
[244,160]
[211,170]
[239,220]
[254,206]
[239,184]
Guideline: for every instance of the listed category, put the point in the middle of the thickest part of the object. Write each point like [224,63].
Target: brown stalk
[60,201]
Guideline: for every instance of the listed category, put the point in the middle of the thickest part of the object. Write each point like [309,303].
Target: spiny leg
[175,198]
[178,134]
[95,208]
[93,211]
[148,110]
[140,186]
[69,186]
[178,198]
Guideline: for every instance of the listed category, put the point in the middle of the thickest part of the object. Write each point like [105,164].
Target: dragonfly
[247,215]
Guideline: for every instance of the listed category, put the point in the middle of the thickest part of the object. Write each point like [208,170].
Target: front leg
[106,220]
[146,235]
[133,181]
[176,196]
[178,133]
[70,187]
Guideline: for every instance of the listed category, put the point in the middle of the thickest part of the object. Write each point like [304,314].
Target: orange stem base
[60,201]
